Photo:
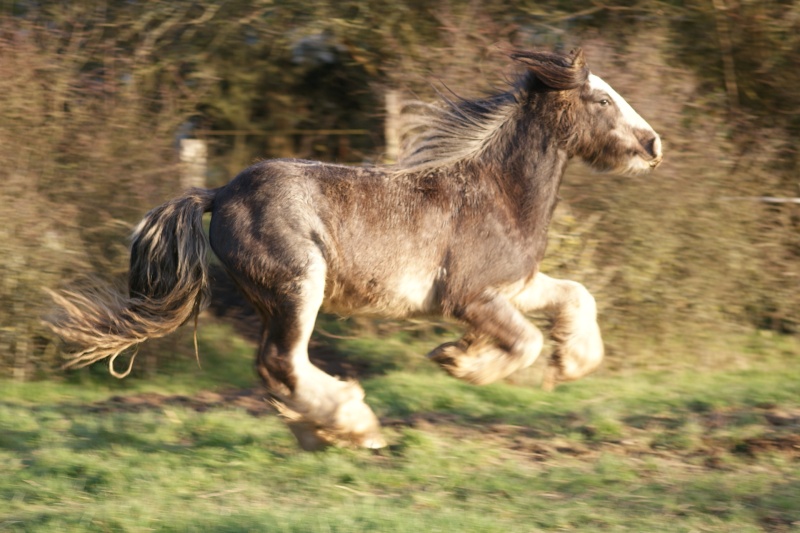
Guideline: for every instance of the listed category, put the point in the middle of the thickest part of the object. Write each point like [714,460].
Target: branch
[765,199]
[726,48]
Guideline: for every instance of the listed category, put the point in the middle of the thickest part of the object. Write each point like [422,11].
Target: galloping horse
[457,227]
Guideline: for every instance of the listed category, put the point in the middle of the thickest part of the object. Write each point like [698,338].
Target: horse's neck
[542,177]
[529,176]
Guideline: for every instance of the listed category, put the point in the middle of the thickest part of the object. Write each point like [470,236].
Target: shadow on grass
[82,520]
[101,424]
[57,520]
[15,440]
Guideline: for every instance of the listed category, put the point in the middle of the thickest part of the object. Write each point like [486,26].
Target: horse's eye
[604,102]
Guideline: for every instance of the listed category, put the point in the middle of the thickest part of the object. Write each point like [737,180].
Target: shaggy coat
[457,228]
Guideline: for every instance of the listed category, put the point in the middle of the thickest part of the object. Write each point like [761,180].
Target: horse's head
[597,124]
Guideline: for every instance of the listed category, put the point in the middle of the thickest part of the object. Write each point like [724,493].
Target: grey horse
[456,228]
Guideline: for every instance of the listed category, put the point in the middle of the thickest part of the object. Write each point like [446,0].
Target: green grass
[641,451]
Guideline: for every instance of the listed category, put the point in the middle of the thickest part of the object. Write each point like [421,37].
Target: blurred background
[109,108]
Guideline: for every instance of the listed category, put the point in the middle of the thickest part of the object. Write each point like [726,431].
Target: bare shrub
[86,150]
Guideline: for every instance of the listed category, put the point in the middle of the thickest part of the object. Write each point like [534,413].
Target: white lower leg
[334,408]
[575,330]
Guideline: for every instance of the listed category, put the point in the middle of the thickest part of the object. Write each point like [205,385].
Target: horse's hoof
[446,354]
[373,442]
[475,367]
[550,379]
[308,436]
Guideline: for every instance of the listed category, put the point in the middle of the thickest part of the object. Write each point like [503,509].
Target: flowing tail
[168,285]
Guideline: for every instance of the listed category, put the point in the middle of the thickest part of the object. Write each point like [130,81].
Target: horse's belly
[402,295]
[417,294]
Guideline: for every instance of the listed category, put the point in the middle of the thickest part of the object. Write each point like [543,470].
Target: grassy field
[671,449]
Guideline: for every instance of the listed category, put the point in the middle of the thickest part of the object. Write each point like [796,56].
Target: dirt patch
[254,401]
[640,437]
[522,441]
[755,446]
[783,417]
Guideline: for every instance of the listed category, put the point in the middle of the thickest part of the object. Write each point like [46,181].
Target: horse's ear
[554,71]
[578,59]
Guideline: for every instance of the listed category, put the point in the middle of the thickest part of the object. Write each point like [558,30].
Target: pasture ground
[675,448]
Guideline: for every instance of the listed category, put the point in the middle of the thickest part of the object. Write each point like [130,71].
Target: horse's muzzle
[651,146]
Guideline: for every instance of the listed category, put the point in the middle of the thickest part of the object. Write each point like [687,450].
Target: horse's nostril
[650,146]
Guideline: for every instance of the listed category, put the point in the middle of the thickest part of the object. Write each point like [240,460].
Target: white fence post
[194,160]
[392,126]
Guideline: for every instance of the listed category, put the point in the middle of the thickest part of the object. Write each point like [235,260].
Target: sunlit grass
[657,450]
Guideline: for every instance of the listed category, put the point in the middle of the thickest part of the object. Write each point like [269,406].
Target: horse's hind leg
[579,345]
[319,408]
[499,342]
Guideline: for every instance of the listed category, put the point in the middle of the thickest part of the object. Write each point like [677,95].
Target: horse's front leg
[499,341]
[579,345]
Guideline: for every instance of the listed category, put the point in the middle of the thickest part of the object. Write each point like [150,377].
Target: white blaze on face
[630,118]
